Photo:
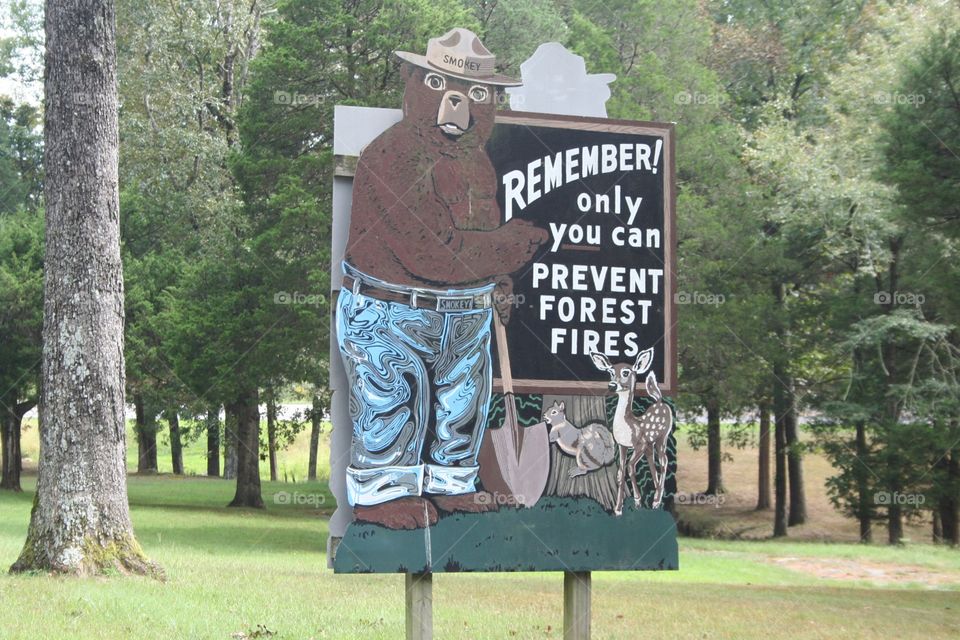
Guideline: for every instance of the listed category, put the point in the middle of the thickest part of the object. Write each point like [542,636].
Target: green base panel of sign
[557,534]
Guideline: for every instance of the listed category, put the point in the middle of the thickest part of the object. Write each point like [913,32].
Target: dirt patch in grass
[881,574]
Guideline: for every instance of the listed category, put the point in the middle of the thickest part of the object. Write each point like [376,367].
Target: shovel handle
[503,352]
[506,376]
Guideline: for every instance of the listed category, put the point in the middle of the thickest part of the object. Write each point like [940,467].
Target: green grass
[230,571]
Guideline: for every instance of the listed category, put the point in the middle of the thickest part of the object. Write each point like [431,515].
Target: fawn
[591,445]
[645,435]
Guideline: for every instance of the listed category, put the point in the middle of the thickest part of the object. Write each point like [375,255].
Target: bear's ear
[407,71]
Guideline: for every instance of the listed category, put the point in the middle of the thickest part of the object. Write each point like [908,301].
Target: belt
[419,299]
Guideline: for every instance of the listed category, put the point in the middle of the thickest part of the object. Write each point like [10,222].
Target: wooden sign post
[419,605]
[577,591]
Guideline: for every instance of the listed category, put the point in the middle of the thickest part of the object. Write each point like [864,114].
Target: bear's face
[448,109]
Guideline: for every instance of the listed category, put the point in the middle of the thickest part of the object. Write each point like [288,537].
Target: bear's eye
[478,93]
[435,81]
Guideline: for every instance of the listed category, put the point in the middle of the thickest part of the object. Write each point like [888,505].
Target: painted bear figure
[428,260]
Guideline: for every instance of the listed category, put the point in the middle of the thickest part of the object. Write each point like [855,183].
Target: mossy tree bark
[80,522]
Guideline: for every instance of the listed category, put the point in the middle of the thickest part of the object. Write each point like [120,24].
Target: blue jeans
[420,385]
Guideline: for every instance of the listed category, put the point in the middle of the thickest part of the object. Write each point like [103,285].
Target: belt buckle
[455,303]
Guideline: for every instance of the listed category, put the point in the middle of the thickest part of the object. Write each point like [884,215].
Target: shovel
[514,461]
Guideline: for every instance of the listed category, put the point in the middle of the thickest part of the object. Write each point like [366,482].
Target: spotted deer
[644,435]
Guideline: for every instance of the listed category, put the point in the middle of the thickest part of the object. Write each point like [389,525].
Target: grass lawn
[237,574]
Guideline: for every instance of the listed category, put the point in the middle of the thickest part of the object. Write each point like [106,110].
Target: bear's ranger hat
[459,53]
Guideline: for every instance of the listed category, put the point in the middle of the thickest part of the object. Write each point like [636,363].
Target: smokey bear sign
[603,282]
[493,261]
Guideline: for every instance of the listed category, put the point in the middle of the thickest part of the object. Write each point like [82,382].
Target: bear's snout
[454,114]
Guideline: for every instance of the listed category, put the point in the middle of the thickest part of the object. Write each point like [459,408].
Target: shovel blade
[520,475]
[534,464]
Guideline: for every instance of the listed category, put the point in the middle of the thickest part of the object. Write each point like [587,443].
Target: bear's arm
[423,238]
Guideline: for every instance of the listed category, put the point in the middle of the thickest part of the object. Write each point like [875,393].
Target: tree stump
[601,485]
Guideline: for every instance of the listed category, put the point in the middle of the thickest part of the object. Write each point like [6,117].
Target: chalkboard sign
[604,189]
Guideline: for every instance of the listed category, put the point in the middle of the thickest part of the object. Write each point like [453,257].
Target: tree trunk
[947,507]
[798,498]
[138,428]
[213,442]
[864,497]
[146,430]
[9,469]
[9,450]
[894,521]
[763,466]
[272,433]
[80,523]
[890,362]
[714,467]
[8,478]
[786,410]
[10,430]
[316,415]
[176,445]
[600,484]
[937,534]
[248,451]
[230,419]
[780,459]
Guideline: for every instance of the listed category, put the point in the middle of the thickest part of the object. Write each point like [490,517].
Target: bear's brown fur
[424,202]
